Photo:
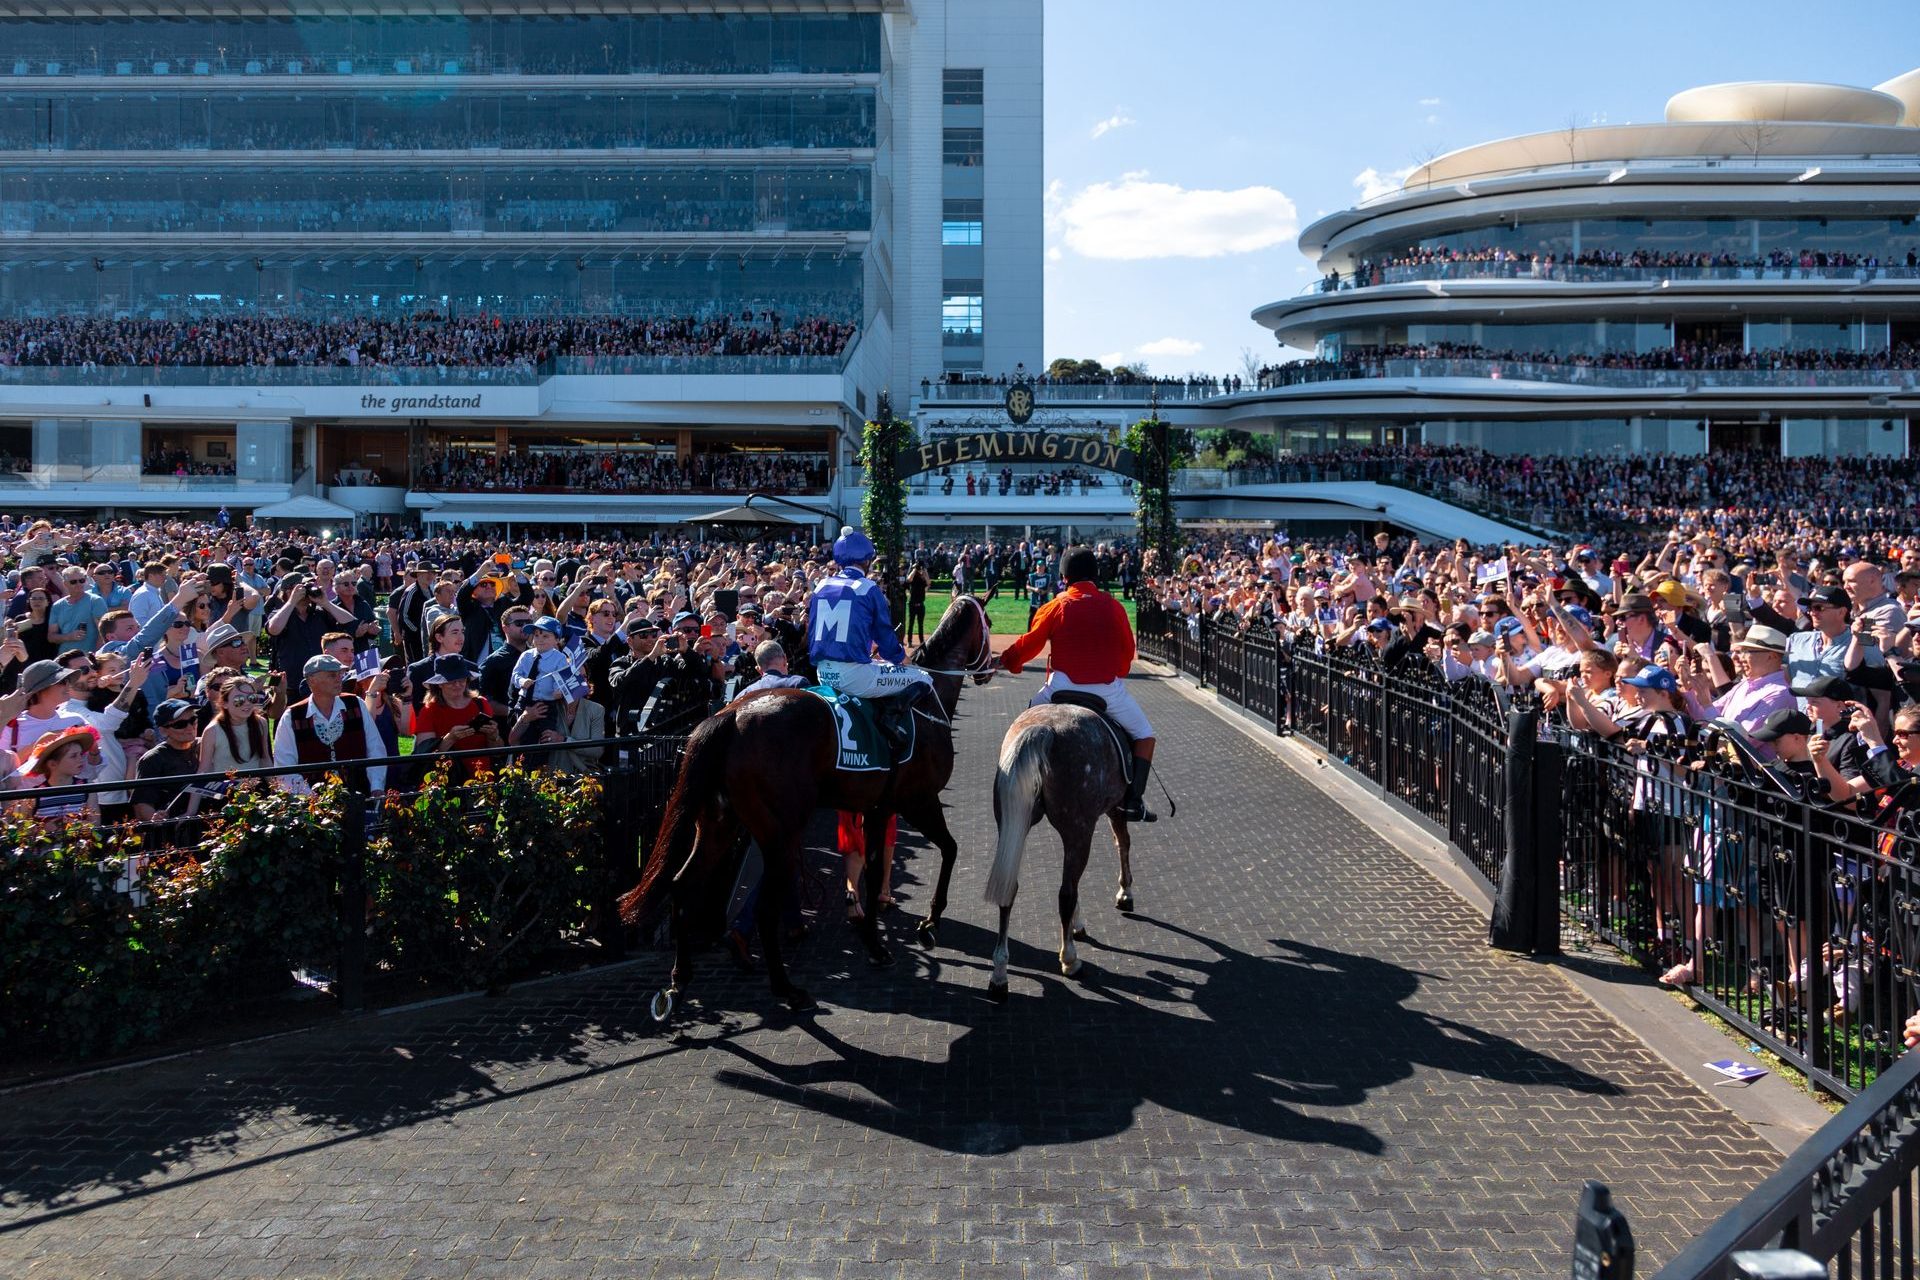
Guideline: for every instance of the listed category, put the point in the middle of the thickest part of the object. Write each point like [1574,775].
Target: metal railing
[1045,393]
[1845,1198]
[1802,922]
[1600,377]
[1575,273]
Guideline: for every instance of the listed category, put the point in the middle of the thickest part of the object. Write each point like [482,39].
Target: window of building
[963,88]
[962,311]
[964,148]
[961,222]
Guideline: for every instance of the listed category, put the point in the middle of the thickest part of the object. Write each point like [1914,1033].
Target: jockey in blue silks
[848,622]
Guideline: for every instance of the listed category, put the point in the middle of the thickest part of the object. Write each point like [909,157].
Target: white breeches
[1120,704]
[872,679]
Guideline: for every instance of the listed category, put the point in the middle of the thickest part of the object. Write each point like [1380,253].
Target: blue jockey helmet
[852,546]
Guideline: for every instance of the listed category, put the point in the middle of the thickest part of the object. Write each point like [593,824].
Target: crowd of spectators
[623,471]
[1385,361]
[1428,262]
[1756,616]
[422,341]
[179,463]
[1193,385]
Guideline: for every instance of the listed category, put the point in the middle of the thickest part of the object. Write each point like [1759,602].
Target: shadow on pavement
[1259,1043]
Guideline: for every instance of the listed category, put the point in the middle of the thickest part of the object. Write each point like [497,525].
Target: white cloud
[1118,120]
[1054,254]
[1113,359]
[1433,119]
[1170,347]
[1373,183]
[1135,219]
[1429,102]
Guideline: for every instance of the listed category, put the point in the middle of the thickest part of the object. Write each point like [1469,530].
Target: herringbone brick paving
[1299,1059]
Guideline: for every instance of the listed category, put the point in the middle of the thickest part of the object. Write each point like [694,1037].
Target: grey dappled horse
[1060,762]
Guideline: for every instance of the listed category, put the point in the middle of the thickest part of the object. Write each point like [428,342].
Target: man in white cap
[328,730]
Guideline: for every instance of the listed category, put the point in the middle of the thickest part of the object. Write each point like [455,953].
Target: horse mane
[938,648]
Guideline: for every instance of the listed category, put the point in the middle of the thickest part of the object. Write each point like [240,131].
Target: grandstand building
[603,263]
[1744,274]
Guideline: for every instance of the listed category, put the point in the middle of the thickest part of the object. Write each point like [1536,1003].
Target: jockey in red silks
[1092,651]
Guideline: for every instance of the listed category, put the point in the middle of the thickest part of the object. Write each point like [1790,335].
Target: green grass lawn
[1008,615]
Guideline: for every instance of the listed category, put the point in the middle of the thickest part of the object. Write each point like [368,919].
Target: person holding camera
[299,626]
[1830,647]
[691,678]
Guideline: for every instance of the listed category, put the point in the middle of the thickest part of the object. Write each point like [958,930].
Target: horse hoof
[880,957]
[997,992]
[1125,903]
[1072,970]
[663,1001]
[1081,935]
[929,932]
[797,1000]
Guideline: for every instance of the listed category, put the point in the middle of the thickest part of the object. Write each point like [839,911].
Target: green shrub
[474,882]
[471,882]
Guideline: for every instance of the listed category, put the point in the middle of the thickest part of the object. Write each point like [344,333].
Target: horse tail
[694,793]
[1016,795]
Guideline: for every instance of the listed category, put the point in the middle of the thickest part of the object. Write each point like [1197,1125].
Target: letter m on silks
[831,620]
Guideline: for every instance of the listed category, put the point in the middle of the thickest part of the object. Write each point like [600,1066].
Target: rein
[983,661]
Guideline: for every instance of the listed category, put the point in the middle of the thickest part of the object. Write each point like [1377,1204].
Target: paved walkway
[1299,1059]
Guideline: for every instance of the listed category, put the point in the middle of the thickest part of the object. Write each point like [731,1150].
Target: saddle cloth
[863,748]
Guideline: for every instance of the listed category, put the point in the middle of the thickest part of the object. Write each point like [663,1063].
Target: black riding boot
[1134,807]
[893,720]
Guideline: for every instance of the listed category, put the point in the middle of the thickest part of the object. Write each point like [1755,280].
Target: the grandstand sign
[994,447]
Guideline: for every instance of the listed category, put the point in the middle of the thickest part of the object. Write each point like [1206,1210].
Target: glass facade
[1574,337]
[184,219]
[574,45]
[448,281]
[385,119]
[481,197]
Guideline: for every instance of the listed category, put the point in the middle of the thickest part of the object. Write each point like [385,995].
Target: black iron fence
[1846,1198]
[1796,922]
[465,870]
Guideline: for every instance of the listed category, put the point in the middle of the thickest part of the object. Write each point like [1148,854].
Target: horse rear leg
[1123,841]
[1078,843]
[930,820]
[997,984]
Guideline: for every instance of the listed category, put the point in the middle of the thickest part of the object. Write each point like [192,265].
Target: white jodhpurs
[872,679]
[1120,704]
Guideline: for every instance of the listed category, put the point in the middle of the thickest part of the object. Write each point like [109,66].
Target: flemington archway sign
[1015,446]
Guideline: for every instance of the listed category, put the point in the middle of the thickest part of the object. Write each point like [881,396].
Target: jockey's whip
[1172,808]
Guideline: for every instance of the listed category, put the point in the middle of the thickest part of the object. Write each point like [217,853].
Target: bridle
[983,661]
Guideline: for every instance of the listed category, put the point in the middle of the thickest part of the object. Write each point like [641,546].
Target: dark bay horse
[763,765]
[1061,762]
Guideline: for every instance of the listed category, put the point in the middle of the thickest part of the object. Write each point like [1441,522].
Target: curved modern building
[1743,274]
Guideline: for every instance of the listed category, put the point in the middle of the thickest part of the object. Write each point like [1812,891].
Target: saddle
[1122,740]
[865,746]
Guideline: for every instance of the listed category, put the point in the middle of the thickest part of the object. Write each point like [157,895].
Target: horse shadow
[1276,1044]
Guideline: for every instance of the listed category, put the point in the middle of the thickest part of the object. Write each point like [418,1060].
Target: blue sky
[1188,142]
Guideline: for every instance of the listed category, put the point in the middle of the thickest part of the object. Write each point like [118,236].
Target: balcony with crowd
[1598,266]
[623,471]
[425,340]
[1440,359]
